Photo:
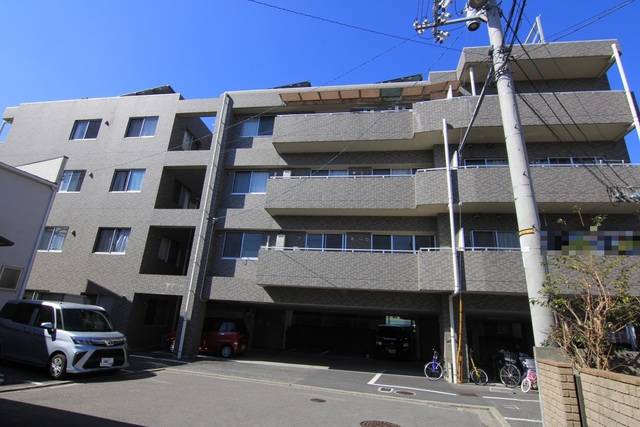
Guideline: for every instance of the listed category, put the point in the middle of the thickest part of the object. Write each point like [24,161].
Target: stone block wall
[558,393]
[610,399]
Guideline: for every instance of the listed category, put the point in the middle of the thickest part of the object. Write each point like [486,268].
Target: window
[45,314]
[141,126]
[481,163]
[257,126]
[382,172]
[9,277]
[112,240]
[245,182]
[127,180]
[495,239]
[71,181]
[24,313]
[85,320]
[425,242]
[243,245]
[402,243]
[85,129]
[52,239]
[381,242]
[401,172]
[324,241]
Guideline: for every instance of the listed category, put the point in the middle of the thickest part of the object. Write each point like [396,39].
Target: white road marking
[526,420]
[376,377]
[510,398]
[35,383]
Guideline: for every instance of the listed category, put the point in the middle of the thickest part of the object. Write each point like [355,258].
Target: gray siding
[359,193]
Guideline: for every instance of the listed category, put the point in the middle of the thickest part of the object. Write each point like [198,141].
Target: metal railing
[350,250]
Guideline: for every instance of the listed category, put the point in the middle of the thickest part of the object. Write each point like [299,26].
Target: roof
[158,90]
[61,304]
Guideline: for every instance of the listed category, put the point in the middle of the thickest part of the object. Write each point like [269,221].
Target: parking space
[304,376]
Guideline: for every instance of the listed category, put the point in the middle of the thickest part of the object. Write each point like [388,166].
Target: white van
[65,337]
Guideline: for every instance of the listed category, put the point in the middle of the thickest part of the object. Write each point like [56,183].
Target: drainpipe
[627,91]
[454,253]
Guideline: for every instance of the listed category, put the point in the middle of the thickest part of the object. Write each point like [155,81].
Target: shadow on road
[26,414]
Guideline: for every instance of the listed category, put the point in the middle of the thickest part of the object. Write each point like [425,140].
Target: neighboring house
[317,213]
[27,192]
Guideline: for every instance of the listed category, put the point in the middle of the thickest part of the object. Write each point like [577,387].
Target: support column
[194,303]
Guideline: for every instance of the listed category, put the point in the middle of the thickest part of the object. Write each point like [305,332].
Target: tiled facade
[354,163]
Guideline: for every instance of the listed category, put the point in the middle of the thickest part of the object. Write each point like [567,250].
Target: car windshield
[392,332]
[85,320]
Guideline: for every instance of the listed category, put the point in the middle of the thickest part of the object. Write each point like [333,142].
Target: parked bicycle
[510,375]
[433,370]
[530,380]
[477,375]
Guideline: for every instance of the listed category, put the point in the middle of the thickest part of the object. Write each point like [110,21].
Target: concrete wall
[24,208]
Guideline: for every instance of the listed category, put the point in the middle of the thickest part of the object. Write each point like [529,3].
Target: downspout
[54,189]
[454,253]
[627,91]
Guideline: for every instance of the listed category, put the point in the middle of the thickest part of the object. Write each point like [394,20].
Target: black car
[394,341]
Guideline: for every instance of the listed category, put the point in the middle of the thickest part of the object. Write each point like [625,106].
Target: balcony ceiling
[408,93]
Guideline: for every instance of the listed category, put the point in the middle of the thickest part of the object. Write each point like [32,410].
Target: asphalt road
[208,391]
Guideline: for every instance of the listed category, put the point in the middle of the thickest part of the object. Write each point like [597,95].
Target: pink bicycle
[530,380]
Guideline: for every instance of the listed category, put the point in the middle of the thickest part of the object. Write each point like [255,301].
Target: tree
[589,296]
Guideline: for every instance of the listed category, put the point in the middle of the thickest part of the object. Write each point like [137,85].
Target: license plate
[106,362]
[391,350]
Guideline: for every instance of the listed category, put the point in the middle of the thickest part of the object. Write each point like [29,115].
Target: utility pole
[525,202]
[524,199]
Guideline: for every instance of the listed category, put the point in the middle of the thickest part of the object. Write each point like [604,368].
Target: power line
[352,26]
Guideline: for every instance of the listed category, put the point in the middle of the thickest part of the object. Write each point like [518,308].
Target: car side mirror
[47,325]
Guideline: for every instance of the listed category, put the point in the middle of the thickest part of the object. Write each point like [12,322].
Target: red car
[220,336]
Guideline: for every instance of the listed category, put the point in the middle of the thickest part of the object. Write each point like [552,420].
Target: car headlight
[378,342]
[406,344]
[81,341]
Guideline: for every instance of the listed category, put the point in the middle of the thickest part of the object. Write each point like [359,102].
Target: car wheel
[226,351]
[58,366]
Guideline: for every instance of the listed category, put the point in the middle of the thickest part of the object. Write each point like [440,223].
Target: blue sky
[67,49]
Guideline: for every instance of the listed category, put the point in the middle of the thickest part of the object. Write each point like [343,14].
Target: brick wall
[558,393]
[610,399]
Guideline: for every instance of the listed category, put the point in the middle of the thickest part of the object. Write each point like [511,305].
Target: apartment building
[315,214]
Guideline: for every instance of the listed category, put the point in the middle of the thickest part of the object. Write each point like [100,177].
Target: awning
[412,92]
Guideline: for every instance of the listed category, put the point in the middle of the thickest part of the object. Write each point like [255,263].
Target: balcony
[500,271]
[557,188]
[358,131]
[349,195]
[354,269]
[601,116]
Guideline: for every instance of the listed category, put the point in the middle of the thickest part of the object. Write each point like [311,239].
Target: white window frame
[51,238]
[484,161]
[13,267]
[81,171]
[126,182]
[144,119]
[241,245]
[233,185]
[111,241]
[75,125]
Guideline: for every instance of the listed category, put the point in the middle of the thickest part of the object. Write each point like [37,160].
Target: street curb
[35,386]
